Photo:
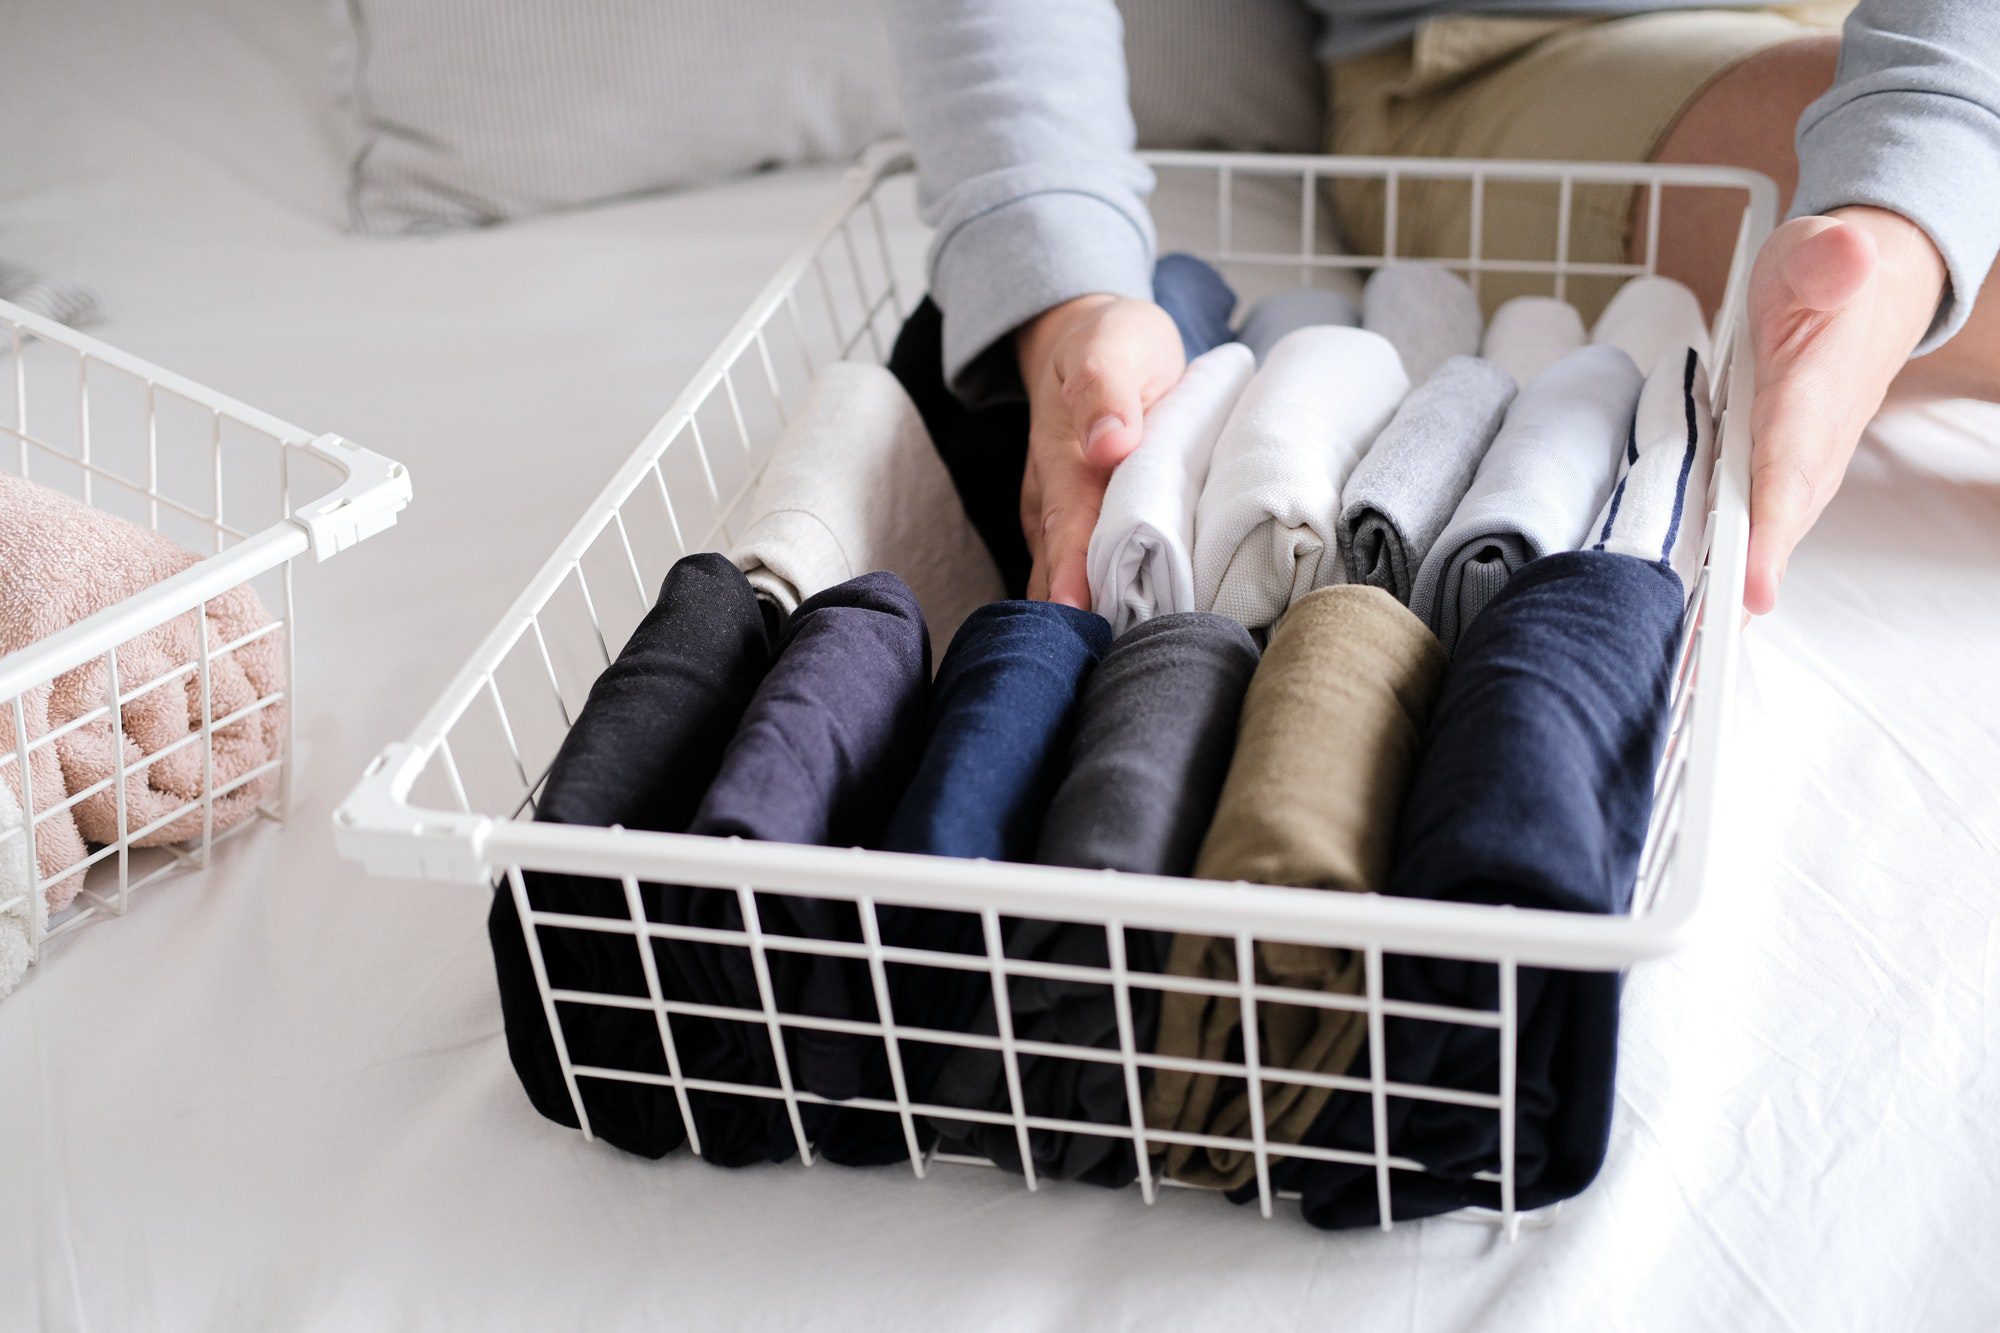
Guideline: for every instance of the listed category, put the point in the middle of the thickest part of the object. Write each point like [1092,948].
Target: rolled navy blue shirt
[1197,298]
[1534,789]
[1001,713]
[1155,729]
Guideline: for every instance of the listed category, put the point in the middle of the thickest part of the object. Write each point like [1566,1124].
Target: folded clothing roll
[1546,475]
[1659,508]
[62,561]
[649,737]
[854,486]
[1426,311]
[1141,557]
[1404,490]
[1197,298]
[1001,712]
[1155,727]
[1649,317]
[1531,333]
[1266,529]
[1329,736]
[821,757]
[1534,790]
[985,445]
[984,448]
[1284,312]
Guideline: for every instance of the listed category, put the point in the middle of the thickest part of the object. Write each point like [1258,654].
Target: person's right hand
[1092,367]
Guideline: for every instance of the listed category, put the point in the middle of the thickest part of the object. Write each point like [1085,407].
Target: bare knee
[1747,116]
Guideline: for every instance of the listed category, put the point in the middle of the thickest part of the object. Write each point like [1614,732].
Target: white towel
[1266,527]
[1659,509]
[18,922]
[1547,474]
[1142,549]
[1426,311]
[1650,317]
[1286,312]
[854,486]
[1531,333]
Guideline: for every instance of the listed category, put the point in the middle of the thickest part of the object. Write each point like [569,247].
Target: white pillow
[467,112]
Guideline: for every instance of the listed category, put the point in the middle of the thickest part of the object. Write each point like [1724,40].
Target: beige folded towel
[1328,739]
[61,561]
[853,487]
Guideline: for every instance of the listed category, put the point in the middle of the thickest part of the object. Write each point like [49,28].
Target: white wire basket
[455,800]
[247,492]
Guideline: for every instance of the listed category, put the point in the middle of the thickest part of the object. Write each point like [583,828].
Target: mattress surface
[278,1094]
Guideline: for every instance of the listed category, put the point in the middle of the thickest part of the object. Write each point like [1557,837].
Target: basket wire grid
[455,801]
[248,492]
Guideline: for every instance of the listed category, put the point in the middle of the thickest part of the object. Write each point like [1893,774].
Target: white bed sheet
[278,1095]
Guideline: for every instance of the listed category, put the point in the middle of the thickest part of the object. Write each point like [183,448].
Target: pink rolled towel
[61,561]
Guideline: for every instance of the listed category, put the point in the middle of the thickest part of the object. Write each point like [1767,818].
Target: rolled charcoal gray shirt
[1018,115]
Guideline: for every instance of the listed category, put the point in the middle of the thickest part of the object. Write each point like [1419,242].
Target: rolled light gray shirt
[1018,116]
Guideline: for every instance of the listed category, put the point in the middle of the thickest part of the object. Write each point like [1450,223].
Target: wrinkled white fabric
[1531,333]
[854,486]
[1266,531]
[1658,510]
[1649,317]
[1141,557]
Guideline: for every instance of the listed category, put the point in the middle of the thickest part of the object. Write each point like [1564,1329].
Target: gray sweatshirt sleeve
[1023,136]
[1912,125]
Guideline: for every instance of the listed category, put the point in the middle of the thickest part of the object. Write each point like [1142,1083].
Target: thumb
[1824,262]
[1792,474]
[1065,551]
[1103,393]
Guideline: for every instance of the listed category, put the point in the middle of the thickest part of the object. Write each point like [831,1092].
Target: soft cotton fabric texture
[1330,733]
[1649,317]
[640,754]
[855,486]
[1534,790]
[1141,555]
[1546,476]
[1404,490]
[1659,508]
[1267,525]
[984,448]
[22,910]
[1001,713]
[1428,312]
[821,757]
[61,561]
[1155,728]
[1531,333]
[1284,312]
[1197,299]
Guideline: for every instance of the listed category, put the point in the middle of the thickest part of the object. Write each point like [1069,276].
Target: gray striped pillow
[467,112]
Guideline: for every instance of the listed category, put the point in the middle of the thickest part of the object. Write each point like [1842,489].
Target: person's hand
[1836,305]
[1092,366]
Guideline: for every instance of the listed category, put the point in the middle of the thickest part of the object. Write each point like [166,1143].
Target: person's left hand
[1836,305]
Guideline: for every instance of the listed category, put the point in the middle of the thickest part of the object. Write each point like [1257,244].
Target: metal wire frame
[257,491]
[454,833]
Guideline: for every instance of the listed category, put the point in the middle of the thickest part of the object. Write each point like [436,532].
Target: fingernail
[1105,425]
